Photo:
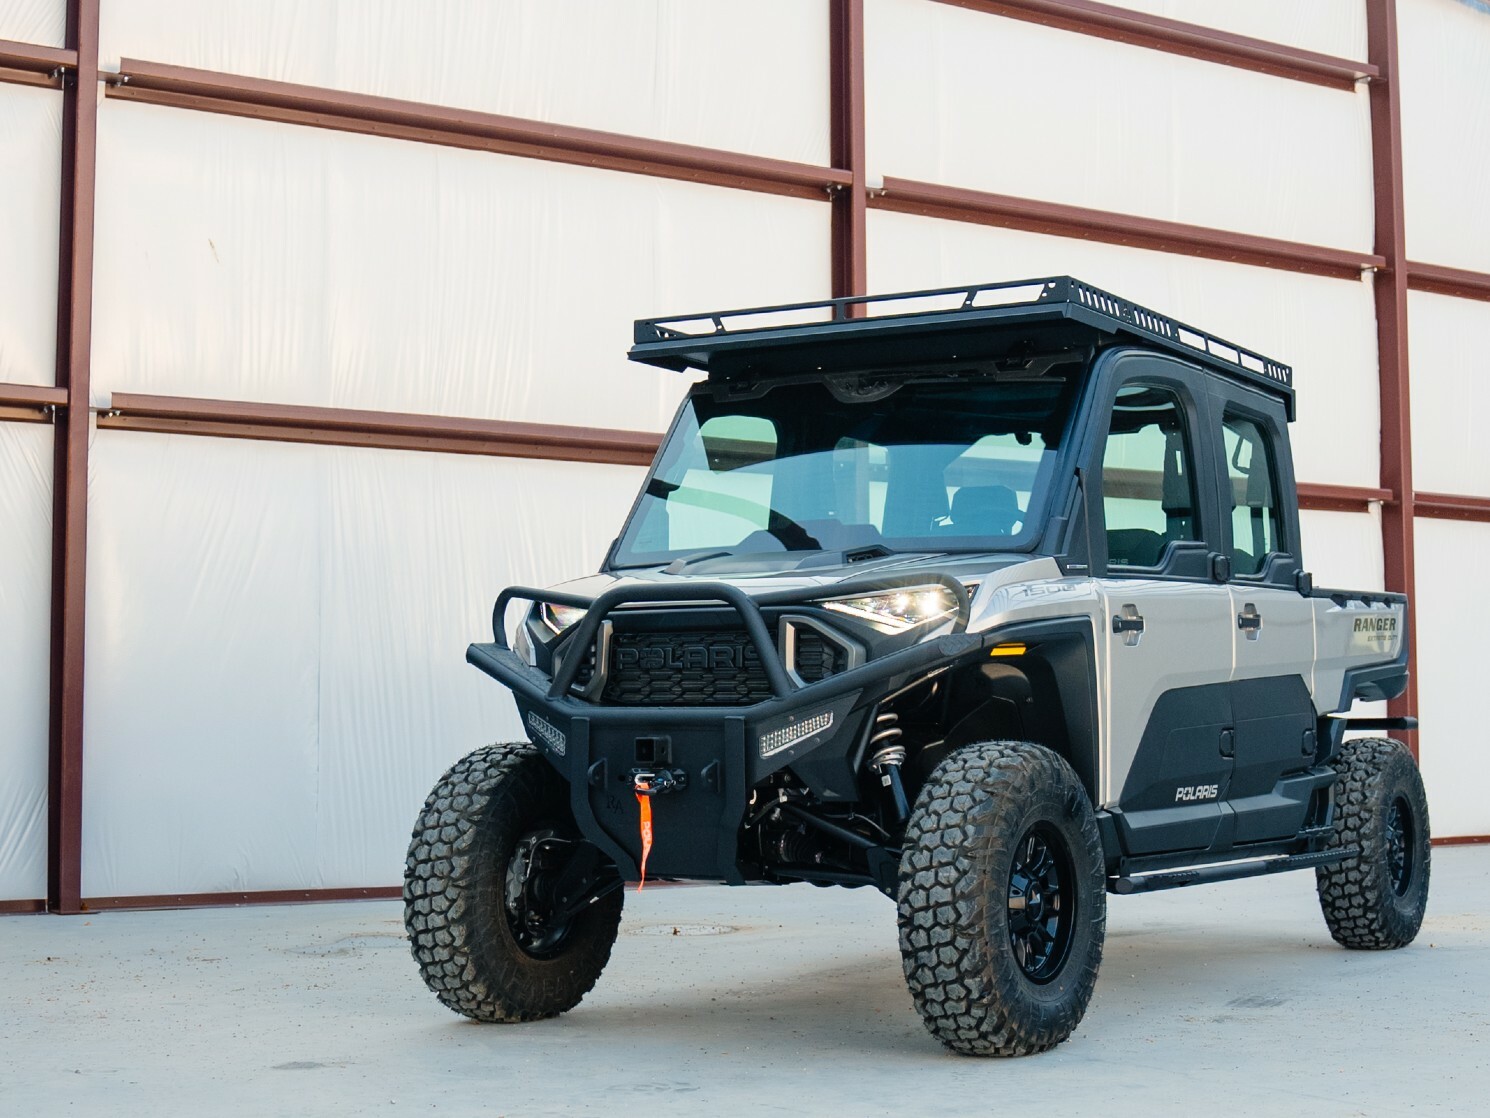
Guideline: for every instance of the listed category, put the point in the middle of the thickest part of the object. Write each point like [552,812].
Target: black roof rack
[936,325]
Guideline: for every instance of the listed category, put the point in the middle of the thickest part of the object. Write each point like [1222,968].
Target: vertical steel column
[70,475]
[846,33]
[1391,325]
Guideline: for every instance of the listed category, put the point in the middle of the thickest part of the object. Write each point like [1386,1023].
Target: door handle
[1129,624]
[1249,621]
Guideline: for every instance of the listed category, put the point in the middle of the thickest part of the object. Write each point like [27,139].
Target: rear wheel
[1002,903]
[1376,900]
[511,915]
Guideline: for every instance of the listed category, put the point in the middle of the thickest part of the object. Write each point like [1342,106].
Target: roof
[945,324]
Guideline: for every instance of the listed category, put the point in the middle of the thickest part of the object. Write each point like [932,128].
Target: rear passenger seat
[1135,547]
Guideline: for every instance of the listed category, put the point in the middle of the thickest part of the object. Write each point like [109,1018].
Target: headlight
[896,611]
[558,618]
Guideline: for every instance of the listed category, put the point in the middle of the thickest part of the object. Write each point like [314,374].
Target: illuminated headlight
[558,618]
[896,611]
[774,741]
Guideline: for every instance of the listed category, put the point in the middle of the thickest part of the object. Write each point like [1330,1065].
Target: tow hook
[657,782]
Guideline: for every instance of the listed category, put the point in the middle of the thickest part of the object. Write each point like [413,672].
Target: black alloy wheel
[1399,842]
[1042,903]
[529,893]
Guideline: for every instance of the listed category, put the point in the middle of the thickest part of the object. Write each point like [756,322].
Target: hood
[764,574]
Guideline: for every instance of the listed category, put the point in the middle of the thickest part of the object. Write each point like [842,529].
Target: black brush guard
[718,752]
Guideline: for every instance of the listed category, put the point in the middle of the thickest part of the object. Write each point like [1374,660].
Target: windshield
[944,465]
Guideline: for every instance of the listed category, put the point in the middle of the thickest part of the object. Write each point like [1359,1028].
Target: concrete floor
[1217,999]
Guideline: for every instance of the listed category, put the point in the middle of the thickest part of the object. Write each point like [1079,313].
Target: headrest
[985,510]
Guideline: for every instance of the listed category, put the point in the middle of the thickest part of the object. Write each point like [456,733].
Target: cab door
[1168,665]
[1273,623]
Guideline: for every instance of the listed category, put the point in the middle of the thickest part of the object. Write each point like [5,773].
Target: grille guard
[600,607]
[583,723]
[503,665]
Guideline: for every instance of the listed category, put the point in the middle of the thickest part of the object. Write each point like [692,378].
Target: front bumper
[720,753]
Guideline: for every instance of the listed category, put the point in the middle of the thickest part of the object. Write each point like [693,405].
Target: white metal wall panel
[203,650]
[972,100]
[1451,678]
[1450,396]
[1343,549]
[294,265]
[25,641]
[43,22]
[276,639]
[30,169]
[419,547]
[1335,27]
[742,77]
[1324,328]
[1444,57]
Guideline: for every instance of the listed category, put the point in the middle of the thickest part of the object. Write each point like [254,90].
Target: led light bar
[774,741]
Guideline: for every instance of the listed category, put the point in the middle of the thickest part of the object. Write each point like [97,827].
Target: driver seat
[985,510]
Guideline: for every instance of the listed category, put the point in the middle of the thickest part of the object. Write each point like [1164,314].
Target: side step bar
[1226,871]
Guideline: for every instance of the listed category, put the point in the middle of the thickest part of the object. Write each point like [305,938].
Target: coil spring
[885,741]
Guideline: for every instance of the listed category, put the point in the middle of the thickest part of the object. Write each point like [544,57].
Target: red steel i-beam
[1391,285]
[70,474]
[1192,40]
[850,236]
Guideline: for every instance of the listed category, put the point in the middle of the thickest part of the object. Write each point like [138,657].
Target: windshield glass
[944,465]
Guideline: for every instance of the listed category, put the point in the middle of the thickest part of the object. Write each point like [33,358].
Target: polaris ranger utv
[989,598]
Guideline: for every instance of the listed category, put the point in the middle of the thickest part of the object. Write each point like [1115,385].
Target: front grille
[704,668]
[817,657]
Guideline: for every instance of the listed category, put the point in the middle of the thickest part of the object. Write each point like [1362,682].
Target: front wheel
[511,915]
[1002,906]
[1375,900]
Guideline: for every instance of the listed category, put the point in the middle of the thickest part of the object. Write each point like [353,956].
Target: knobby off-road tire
[971,886]
[456,890]
[1376,900]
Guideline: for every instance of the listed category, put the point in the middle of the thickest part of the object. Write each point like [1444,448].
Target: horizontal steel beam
[1061,220]
[267,896]
[10,76]
[234,419]
[1193,40]
[208,91]
[30,403]
[35,59]
[1448,281]
[32,395]
[1341,498]
[1451,506]
[32,64]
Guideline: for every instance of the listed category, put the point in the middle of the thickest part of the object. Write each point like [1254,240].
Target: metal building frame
[844,186]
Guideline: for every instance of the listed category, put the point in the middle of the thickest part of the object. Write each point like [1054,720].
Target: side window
[1254,504]
[1148,477]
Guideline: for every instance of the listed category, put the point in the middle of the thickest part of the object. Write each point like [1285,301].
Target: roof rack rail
[684,341]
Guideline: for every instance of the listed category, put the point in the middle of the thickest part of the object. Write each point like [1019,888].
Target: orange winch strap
[645,803]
